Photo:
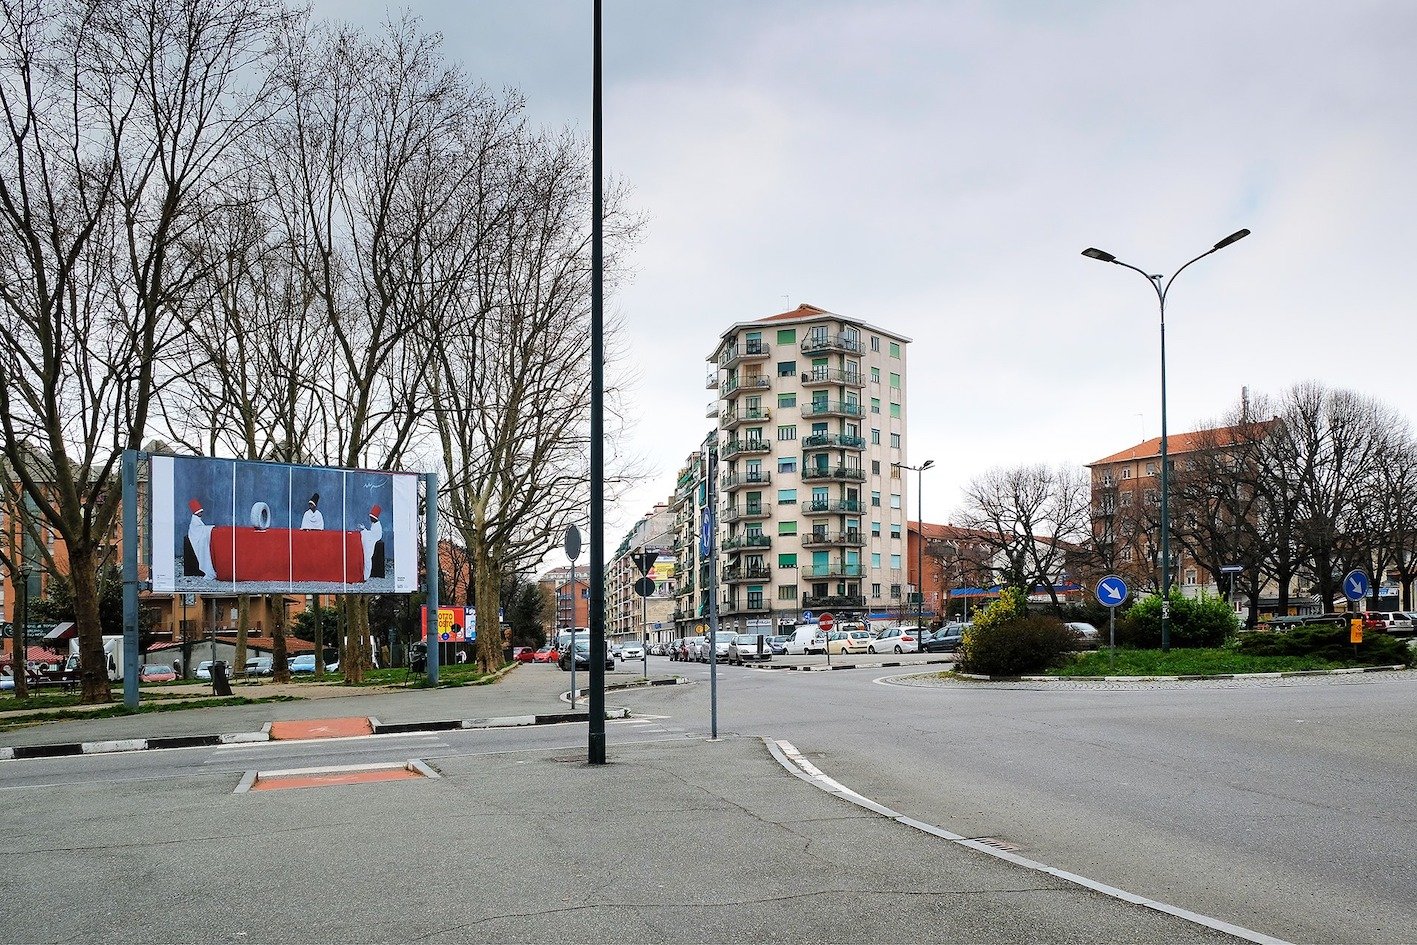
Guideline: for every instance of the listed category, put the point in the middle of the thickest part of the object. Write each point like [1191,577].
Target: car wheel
[897,651]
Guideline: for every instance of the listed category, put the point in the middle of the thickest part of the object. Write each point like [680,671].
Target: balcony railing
[747,604]
[732,481]
[820,376]
[736,575]
[831,408]
[711,382]
[734,387]
[712,410]
[815,343]
[831,506]
[833,601]
[833,441]
[841,473]
[739,447]
[733,418]
[744,542]
[851,538]
[836,569]
[748,511]
[747,351]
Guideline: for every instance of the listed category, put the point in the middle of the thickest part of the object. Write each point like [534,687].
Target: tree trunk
[93,668]
[243,622]
[487,582]
[280,665]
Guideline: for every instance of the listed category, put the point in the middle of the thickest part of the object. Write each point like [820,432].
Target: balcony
[831,408]
[743,447]
[711,382]
[747,604]
[834,473]
[831,507]
[735,386]
[827,343]
[833,441]
[747,351]
[734,513]
[747,542]
[733,481]
[851,538]
[712,410]
[733,574]
[732,419]
[833,601]
[823,572]
[818,377]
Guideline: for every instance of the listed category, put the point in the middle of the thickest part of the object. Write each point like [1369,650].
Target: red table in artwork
[284,554]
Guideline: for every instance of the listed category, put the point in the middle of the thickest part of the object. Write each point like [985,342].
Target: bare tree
[116,115]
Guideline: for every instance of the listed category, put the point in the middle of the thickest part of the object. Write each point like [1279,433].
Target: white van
[800,638]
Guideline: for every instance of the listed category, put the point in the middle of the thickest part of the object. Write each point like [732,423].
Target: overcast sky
[936,168]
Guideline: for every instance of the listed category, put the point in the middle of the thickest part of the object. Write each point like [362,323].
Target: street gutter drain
[998,844]
[334,775]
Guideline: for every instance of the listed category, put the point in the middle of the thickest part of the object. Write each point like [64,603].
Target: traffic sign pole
[824,624]
[1111,592]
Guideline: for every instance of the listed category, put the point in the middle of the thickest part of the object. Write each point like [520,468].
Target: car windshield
[860,635]
[751,638]
[149,670]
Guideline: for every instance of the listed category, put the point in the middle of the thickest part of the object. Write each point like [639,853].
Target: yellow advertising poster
[455,624]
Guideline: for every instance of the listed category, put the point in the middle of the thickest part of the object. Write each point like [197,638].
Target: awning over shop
[62,631]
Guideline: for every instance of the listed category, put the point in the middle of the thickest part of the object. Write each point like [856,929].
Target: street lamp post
[919,541]
[1161,292]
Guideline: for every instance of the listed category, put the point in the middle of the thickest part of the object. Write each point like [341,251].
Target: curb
[1350,671]
[839,666]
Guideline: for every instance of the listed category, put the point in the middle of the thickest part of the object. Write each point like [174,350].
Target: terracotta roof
[946,532]
[1178,443]
[804,310]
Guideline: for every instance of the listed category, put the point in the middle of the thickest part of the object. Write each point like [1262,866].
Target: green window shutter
[895,350]
[895,380]
[895,411]
[787,528]
[787,400]
[787,561]
[787,336]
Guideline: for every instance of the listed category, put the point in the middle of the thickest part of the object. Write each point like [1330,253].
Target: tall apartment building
[687,505]
[628,615]
[810,502]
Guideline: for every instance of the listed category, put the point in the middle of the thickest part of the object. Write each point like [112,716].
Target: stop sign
[824,622]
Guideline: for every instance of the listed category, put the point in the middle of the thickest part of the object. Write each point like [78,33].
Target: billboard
[244,527]
[455,624]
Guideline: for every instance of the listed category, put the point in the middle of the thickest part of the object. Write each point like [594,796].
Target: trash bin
[221,686]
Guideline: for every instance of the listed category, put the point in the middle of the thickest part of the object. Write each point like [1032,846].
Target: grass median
[1195,662]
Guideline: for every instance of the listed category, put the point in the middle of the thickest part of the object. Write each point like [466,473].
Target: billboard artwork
[455,624]
[237,526]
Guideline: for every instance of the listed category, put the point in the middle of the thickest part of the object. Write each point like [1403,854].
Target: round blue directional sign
[1355,585]
[1111,591]
[807,616]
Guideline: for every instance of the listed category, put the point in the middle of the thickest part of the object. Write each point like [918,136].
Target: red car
[545,655]
[156,672]
[524,654]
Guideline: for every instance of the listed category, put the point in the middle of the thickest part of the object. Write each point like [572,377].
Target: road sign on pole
[824,622]
[1356,585]
[1111,591]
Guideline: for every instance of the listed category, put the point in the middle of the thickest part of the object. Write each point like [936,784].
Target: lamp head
[1232,238]
[926,465]
[1092,252]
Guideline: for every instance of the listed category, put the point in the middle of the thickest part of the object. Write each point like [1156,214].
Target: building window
[1126,554]
[895,378]
[895,410]
[787,497]
[1151,469]
[1126,497]
[1126,472]
[875,405]
[787,464]
[875,437]
[787,592]
[875,467]
[876,499]
[787,369]
[895,437]
[787,432]
[895,530]
[1151,498]
[875,529]
[895,350]
[787,560]
[875,375]
[895,500]
[875,559]
[875,343]
[895,592]
[895,562]
[787,336]
[876,591]
[787,400]
[787,528]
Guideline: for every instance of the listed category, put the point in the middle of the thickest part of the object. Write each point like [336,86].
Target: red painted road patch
[321,728]
[331,778]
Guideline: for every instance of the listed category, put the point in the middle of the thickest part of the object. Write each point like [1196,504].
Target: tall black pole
[596,740]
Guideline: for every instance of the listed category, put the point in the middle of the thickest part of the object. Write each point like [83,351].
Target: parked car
[1386,621]
[260,666]
[525,654]
[720,644]
[547,654]
[632,651]
[749,646]
[800,639]
[778,645]
[849,641]
[305,663]
[156,672]
[944,640]
[204,669]
[896,640]
[582,651]
[7,680]
[1088,637]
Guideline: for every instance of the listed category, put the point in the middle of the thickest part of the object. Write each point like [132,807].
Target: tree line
[259,236]
[1295,490]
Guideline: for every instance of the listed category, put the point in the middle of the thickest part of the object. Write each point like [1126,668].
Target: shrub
[1195,622]
[1017,645]
[1330,642]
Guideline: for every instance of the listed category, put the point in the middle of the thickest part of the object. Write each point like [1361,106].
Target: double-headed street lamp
[919,542]
[1161,291]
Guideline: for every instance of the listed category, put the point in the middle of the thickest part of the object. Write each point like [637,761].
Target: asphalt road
[1283,806]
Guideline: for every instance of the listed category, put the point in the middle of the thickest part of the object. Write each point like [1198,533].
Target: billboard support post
[430,619]
[130,578]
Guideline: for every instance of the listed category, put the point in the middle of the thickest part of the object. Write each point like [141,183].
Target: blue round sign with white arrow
[1111,591]
[1355,585]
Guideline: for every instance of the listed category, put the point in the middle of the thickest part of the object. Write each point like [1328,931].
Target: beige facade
[628,615]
